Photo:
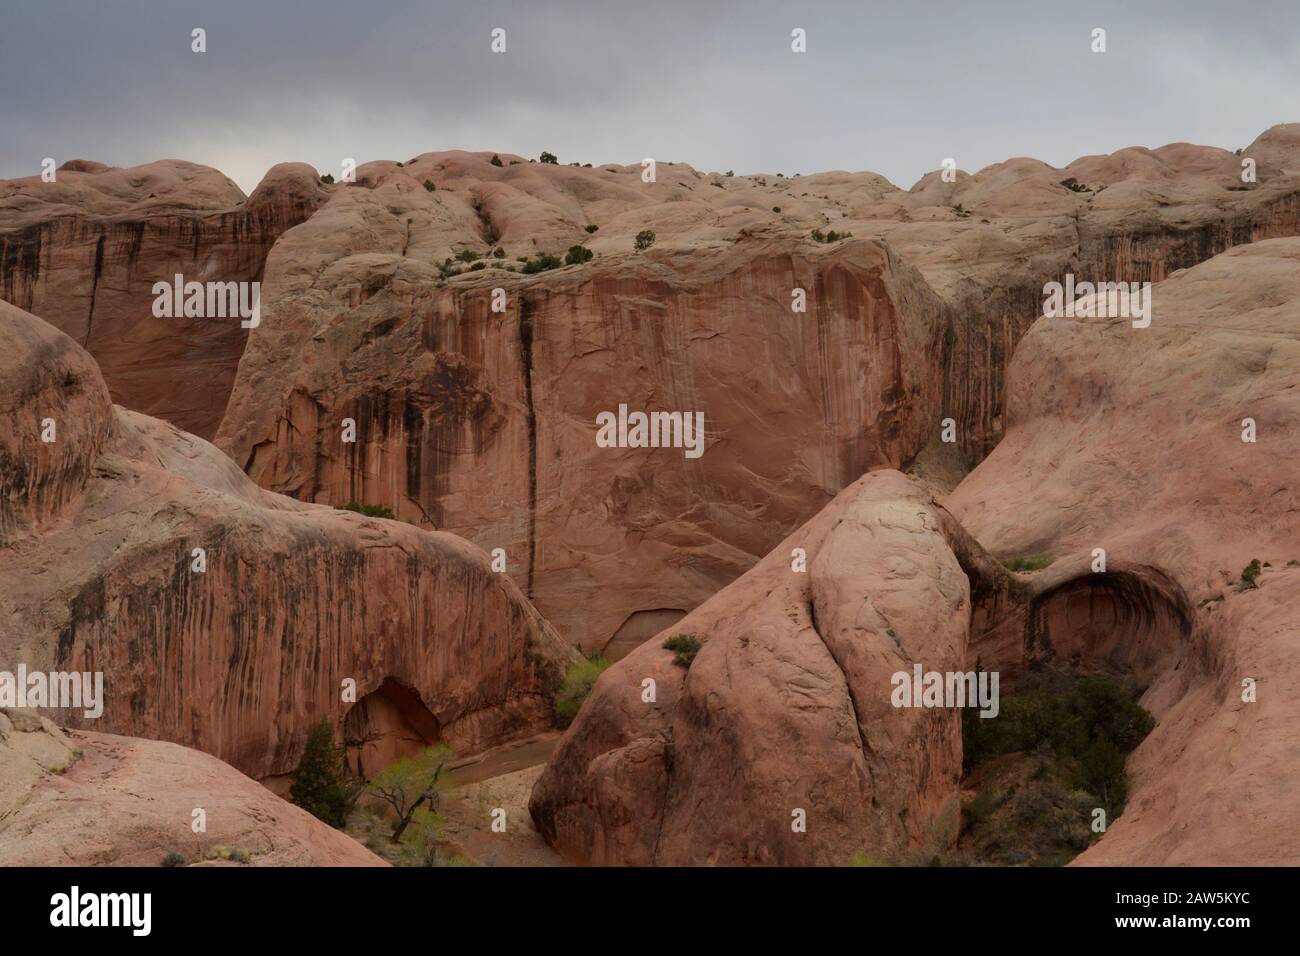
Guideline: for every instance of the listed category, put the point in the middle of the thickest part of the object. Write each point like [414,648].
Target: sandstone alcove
[387,724]
[639,627]
[1121,622]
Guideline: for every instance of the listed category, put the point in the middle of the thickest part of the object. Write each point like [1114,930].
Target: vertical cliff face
[810,364]
[485,423]
[295,612]
[482,422]
[987,243]
[84,252]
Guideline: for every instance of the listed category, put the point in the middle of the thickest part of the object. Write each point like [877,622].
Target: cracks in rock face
[94,285]
[526,361]
[490,231]
[848,685]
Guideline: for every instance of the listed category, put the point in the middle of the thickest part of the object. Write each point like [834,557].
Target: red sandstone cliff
[84,252]
[97,538]
[483,423]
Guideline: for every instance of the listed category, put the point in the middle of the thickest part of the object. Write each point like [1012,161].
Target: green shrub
[173,859]
[428,184]
[577,684]
[776,209]
[686,647]
[578,255]
[498,253]
[591,228]
[549,158]
[1074,185]
[644,240]
[1251,572]
[320,781]
[976,811]
[961,212]
[861,858]
[412,787]
[477,266]
[542,263]
[832,236]
[496,160]
[1088,728]
[327,179]
[468,255]
[1029,563]
[370,511]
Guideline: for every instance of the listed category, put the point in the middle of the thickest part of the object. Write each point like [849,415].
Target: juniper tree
[320,782]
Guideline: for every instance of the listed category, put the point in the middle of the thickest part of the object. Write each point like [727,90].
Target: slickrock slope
[1131,440]
[84,252]
[97,573]
[483,423]
[786,707]
[90,799]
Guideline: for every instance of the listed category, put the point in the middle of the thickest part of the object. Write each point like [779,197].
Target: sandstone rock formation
[90,799]
[484,424]
[367,319]
[1124,439]
[785,709]
[98,538]
[1131,440]
[481,422]
[83,252]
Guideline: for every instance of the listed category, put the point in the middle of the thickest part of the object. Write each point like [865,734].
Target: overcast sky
[888,87]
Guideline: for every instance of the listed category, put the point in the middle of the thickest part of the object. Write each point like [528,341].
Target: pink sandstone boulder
[784,717]
[91,799]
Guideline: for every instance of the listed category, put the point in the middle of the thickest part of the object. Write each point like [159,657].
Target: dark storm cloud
[892,87]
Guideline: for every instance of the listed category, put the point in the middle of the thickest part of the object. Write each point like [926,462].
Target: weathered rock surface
[242,659]
[363,319]
[786,707]
[90,799]
[484,424]
[366,320]
[1131,440]
[1123,439]
[84,252]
